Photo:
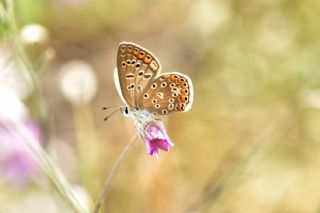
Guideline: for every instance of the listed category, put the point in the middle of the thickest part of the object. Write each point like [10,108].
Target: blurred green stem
[107,183]
[27,69]
[48,167]
[87,145]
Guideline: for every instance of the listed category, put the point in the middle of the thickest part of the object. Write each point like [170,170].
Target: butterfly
[148,93]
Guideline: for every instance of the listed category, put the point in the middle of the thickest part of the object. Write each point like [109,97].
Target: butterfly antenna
[114,112]
[110,107]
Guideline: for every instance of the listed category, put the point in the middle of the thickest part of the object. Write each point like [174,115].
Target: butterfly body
[141,117]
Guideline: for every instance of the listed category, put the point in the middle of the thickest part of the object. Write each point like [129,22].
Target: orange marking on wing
[183,85]
[130,49]
[183,99]
[136,52]
[141,55]
[147,59]
[184,91]
[179,108]
[164,77]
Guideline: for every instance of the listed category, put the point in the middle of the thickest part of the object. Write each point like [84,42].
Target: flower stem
[48,166]
[107,183]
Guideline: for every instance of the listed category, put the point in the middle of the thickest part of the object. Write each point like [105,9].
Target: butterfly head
[125,111]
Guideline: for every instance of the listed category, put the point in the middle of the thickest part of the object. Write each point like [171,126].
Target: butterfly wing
[136,68]
[170,92]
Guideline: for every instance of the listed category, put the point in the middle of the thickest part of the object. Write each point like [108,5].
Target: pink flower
[156,138]
[16,165]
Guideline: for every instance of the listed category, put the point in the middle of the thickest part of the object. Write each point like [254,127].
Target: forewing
[168,93]
[136,68]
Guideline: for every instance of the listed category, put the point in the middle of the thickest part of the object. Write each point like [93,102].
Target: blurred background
[249,144]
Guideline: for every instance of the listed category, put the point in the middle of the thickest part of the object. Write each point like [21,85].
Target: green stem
[48,167]
[114,169]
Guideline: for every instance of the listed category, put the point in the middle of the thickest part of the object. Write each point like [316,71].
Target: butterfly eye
[154,86]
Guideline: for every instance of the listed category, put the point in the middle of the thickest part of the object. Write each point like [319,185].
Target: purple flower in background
[156,138]
[16,165]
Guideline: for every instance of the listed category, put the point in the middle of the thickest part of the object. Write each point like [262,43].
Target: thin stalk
[48,167]
[114,169]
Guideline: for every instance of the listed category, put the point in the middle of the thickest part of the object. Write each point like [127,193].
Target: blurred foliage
[249,144]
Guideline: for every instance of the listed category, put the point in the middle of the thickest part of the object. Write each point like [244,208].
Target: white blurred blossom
[78,82]
[11,74]
[310,99]
[207,16]
[34,33]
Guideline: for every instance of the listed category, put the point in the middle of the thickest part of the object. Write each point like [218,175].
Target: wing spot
[157,106]
[184,91]
[141,55]
[141,73]
[160,95]
[130,49]
[123,64]
[128,62]
[172,85]
[174,94]
[130,76]
[163,84]
[171,100]
[154,101]
[154,86]
[136,51]
[138,65]
[170,106]
[164,111]
[145,95]
[133,62]
[130,87]
[147,76]
[147,59]
[154,65]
